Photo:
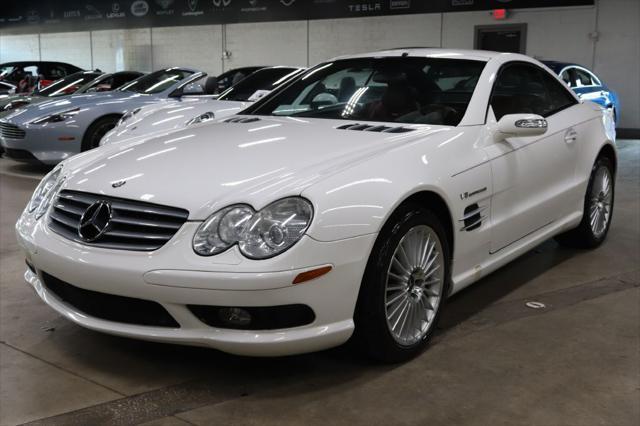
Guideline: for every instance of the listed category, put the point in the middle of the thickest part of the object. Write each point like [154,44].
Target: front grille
[134,225]
[109,306]
[11,131]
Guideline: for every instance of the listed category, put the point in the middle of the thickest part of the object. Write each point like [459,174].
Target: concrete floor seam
[15,348]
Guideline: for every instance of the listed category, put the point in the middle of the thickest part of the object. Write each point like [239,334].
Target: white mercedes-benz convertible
[350,203]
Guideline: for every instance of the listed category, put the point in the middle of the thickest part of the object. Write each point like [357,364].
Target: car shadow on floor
[240,376]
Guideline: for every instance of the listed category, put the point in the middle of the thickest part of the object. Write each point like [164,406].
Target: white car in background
[350,203]
[172,114]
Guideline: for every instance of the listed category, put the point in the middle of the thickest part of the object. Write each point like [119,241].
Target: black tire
[372,332]
[96,131]
[583,236]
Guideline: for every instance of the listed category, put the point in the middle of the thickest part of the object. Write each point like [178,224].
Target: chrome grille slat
[11,131]
[134,225]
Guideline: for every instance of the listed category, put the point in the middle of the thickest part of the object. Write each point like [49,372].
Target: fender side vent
[375,128]
[473,217]
[242,120]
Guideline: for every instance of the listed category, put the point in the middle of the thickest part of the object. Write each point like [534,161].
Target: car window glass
[263,80]
[403,90]
[566,77]
[525,89]
[583,78]
[158,81]
[67,85]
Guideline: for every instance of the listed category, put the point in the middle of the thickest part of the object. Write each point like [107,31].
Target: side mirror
[518,125]
[193,89]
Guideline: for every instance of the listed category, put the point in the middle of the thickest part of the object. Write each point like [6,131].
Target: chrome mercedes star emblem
[94,221]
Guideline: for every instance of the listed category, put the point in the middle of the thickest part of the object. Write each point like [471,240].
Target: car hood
[208,166]
[170,115]
[113,102]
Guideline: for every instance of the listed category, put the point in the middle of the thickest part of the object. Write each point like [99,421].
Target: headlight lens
[202,118]
[259,235]
[56,118]
[45,191]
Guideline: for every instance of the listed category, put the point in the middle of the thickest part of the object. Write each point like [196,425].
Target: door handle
[571,136]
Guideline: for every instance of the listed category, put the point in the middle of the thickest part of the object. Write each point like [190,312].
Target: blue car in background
[587,85]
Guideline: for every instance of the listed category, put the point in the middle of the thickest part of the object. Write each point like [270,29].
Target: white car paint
[535,186]
[169,115]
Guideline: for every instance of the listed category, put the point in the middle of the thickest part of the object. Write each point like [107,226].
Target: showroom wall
[566,34]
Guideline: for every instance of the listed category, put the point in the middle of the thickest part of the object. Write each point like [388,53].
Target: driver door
[532,176]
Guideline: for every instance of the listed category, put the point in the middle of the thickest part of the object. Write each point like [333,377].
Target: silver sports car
[52,131]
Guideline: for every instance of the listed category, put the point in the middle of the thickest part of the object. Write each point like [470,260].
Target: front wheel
[404,286]
[96,131]
[598,209]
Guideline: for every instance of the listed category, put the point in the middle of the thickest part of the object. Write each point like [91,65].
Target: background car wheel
[404,286]
[96,131]
[598,209]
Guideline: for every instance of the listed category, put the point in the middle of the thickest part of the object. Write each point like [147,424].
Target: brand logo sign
[71,14]
[400,4]
[115,12]
[221,3]
[164,7]
[365,7]
[95,221]
[462,2]
[139,8]
[193,9]
[92,12]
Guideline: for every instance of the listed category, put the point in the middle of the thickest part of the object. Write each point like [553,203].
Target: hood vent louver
[242,120]
[375,128]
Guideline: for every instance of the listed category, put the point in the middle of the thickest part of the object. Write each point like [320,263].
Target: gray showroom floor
[494,361]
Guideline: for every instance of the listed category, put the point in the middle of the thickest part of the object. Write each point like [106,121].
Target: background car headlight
[259,235]
[57,117]
[202,118]
[45,191]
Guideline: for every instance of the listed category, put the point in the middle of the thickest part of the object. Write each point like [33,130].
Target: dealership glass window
[402,90]
[524,88]
[157,82]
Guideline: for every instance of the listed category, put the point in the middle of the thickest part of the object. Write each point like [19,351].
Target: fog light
[235,316]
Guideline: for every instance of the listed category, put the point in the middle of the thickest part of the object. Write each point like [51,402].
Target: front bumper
[43,144]
[175,277]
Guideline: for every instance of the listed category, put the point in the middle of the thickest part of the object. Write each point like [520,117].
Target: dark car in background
[76,83]
[233,76]
[587,85]
[29,75]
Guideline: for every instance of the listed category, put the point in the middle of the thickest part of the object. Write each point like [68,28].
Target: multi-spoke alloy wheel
[598,208]
[404,287]
[414,283]
[601,200]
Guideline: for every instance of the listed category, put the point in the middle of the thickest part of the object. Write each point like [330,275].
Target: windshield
[398,89]
[6,70]
[258,84]
[157,82]
[68,84]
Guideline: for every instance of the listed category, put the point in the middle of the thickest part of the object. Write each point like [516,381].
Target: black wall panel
[20,16]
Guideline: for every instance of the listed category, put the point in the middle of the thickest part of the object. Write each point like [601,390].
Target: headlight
[14,104]
[207,116]
[45,191]
[127,116]
[259,235]
[56,118]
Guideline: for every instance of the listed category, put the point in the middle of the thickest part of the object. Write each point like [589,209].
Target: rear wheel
[404,286]
[96,131]
[598,209]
